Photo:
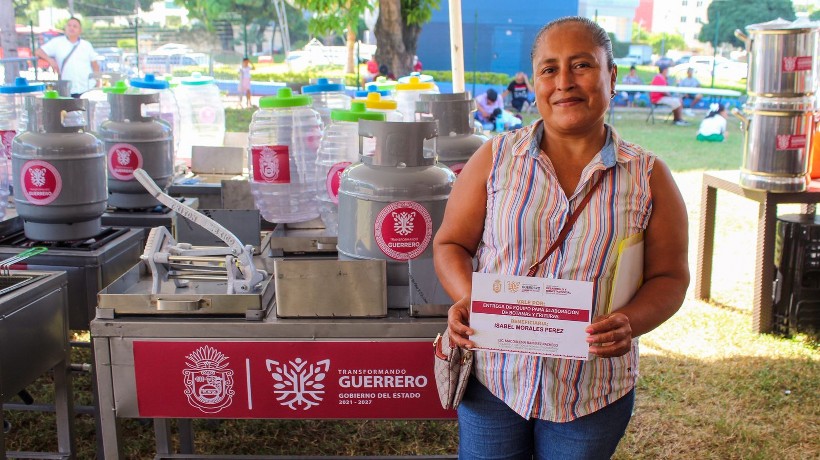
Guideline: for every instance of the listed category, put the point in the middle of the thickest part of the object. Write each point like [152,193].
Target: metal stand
[764,261]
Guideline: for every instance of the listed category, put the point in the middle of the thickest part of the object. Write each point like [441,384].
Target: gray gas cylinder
[132,140]
[392,202]
[457,139]
[59,174]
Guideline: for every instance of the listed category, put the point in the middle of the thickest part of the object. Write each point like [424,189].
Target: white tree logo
[123,157]
[208,380]
[782,141]
[269,164]
[403,222]
[38,176]
[297,383]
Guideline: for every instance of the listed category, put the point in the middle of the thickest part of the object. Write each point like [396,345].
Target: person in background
[632,78]
[385,72]
[690,82]
[713,127]
[666,99]
[245,82]
[488,106]
[507,208]
[372,69]
[520,89]
[417,64]
[73,58]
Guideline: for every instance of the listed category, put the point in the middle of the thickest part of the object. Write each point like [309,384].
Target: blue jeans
[489,429]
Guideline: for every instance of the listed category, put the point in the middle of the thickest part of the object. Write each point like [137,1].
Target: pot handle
[742,118]
[742,37]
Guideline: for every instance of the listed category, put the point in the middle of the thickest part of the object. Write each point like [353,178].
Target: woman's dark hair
[599,36]
[383,70]
[714,109]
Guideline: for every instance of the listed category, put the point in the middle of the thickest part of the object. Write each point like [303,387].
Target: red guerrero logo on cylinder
[334,180]
[123,160]
[40,181]
[403,230]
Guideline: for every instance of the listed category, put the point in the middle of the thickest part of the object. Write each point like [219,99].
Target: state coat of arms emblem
[208,380]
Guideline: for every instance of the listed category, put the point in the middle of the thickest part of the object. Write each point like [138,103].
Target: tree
[737,15]
[8,36]
[337,16]
[105,7]
[220,13]
[663,42]
[397,32]
[639,34]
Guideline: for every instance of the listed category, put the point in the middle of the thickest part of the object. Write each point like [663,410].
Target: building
[496,39]
[615,16]
[684,17]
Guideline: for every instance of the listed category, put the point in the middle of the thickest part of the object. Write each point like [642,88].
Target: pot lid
[783,24]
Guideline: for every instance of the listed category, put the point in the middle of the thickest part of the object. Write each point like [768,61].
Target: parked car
[725,69]
[632,59]
[665,62]
[165,62]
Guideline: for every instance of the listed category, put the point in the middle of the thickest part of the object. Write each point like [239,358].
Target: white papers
[628,272]
[534,316]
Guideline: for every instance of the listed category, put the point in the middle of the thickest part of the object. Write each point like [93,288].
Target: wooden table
[764,261]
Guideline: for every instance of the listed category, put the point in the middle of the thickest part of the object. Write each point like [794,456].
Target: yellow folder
[628,272]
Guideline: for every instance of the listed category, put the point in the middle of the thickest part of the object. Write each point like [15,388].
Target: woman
[713,127]
[507,208]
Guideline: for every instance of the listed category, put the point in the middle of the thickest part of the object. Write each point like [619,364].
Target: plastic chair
[651,116]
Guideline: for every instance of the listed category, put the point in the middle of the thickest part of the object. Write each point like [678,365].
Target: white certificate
[532,316]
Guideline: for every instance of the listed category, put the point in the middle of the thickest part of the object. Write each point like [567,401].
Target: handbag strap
[569,223]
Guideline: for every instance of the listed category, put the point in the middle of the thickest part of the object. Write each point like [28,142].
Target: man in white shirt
[72,57]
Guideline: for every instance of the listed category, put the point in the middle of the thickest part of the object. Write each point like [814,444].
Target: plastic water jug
[326,97]
[371,88]
[99,109]
[338,150]
[202,115]
[283,141]
[383,84]
[13,119]
[376,102]
[168,107]
[407,94]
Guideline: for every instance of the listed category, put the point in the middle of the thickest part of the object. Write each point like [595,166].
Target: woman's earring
[613,94]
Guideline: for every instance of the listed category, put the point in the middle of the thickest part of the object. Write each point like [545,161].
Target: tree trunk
[351,50]
[260,36]
[393,37]
[8,38]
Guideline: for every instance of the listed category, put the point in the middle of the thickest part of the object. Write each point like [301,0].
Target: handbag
[454,365]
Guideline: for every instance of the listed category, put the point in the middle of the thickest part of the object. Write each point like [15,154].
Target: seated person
[666,99]
[690,82]
[509,120]
[520,89]
[488,106]
[713,127]
[632,78]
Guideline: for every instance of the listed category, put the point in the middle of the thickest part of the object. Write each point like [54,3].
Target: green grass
[710,387]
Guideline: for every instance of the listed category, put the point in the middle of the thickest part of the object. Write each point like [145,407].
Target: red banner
[287,380]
